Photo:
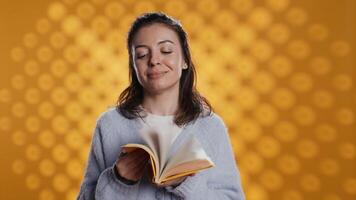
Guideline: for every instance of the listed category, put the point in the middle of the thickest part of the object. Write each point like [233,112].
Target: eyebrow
[160,42]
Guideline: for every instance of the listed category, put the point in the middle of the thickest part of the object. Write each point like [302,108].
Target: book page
[190,151]
[154,162]
[159,139]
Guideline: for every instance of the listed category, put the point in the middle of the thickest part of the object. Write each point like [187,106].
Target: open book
[189,159]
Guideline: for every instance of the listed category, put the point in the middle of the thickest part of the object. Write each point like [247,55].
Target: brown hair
[191,103]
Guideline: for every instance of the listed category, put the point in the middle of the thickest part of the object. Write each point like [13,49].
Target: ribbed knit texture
[112,130]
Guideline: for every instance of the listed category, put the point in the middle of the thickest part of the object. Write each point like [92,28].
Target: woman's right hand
[131,166]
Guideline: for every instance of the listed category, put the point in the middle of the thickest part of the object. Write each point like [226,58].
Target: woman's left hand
[174,182]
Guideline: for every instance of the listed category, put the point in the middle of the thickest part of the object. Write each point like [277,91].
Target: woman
[161,92]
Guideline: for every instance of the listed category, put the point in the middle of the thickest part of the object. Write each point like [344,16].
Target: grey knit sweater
[113,130]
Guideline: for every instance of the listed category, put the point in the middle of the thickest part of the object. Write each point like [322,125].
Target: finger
[134,162]
[134,155]
[139,162]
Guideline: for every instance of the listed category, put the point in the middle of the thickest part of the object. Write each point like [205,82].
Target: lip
[155,75]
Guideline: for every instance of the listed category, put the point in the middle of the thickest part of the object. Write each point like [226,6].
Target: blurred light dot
[318,32]
[263,82]
[310,182]
[329,166]
[46,138]
[46,110]
[33,152]
[307,148]
[61,183]
[43,26]
[58,40]
[298,49]
[262,50]
[285,131]
[278,33]
[18,81]
[101,25]
[246,66]
[244,35]
[74,169]
[33,181]
[283,98]
[280,66]
[47,168]
[85,10]
[342,82]
[71,25]
[325,132]
[18,166]
[288,164]
[74,111]
[323,99]
[350,186]
[242,6]
[268,147]
[32,95]
[248,98]
[347,150]
[115,10]
[5,95]
[304,115]
[73,82]
[60,153]
[331,196]
[45,82]
[292,195]
[18,109]
[72,54]
[30,40]
[143,6]
[19,138]
[44,54]
[56,11]
[345,116]
[277,5]
[60,124]
[260,18]
[59,96]
[32,124]
[271,180]
[17,54]
[256,192]
[31,68]
[59,68]
[301,82]
[249,129]
[265,114]
[251,163]
[340,48]
[46,194]
[296,16]
[207,7]
[320,65]
[5,123]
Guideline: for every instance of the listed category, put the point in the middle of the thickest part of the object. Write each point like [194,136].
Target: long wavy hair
[191,103]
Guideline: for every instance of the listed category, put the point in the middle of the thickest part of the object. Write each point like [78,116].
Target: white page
[190,150]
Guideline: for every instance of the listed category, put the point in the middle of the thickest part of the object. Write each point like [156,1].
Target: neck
[165,103]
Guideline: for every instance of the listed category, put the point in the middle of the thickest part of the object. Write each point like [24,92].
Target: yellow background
[280,73]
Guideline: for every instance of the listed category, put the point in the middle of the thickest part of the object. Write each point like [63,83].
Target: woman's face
[157,58]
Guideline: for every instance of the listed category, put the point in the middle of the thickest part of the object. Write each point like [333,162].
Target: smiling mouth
[156,75]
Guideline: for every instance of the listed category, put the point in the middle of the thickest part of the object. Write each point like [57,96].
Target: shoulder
[211,120]
[111,116]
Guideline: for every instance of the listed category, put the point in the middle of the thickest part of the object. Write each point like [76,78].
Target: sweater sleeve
[220,182]
[100,182]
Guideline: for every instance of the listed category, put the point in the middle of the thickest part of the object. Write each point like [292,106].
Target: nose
[155,59]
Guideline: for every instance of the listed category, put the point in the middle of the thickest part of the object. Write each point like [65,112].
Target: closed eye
[141,56]
[167,52]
